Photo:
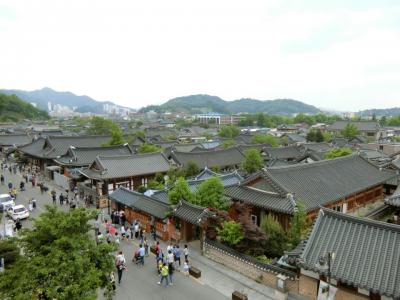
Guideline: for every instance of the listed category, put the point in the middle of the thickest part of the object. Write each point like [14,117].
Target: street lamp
[324,265]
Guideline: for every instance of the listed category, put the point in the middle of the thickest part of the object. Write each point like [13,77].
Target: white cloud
[138,53]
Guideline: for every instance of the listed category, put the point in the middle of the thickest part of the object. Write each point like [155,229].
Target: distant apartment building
[218,119]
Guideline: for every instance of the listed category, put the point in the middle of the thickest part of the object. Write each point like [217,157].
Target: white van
[18,212]
[6,202]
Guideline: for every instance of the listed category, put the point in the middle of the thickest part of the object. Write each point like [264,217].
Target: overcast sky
[339,54]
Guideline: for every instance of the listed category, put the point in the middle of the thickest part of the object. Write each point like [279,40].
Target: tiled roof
[367,252]
[290,152]
[217,158]
[186,147]
[362,126]
[394,200]
[85,156]
[141,202]
[206,173]
[317,147]
[326,181]
[191,213]
[260,198]
[127,166]
[54,146]
[296,138]
[14,139]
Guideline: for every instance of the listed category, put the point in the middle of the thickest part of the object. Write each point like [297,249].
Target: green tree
[61,260]
[157,183]
[102,126]
[327,136]
[9,251]
[311,136]
[229,131]
[228,143]
[261,138]
[180,191]
[230,232]
[338,152]
[260,120]
[210,193]
[277,237]
[191,169]
[350,131]
[148,148]
[252,161]
[318,136]
[173,175]
[117,137]
[299,226]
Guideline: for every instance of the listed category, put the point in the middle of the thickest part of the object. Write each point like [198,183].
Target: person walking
[170,272]
[61,198]
[137,228]
[186,268]
[54,196]
[177,257]
[164,274]
[146,247]
[141,254]
[96,226]
[120,264]
[186,252]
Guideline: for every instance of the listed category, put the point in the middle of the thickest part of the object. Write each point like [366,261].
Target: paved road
[138,282]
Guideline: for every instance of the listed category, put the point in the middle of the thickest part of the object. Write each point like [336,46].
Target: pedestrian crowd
[118,230]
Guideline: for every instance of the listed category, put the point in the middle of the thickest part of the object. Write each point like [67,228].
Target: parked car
[6,202]
[18,212]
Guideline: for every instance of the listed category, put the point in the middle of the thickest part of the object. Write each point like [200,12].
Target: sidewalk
[221,278]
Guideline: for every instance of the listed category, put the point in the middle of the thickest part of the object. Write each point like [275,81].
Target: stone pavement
[216,282]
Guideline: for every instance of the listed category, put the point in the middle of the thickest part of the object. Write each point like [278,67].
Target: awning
[53,168]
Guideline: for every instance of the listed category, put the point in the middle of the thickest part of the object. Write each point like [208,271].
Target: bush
[231,232]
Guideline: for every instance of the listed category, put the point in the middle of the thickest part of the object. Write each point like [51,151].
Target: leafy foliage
[277,238]
[60,261]
[191,169]
[102,126]
[229,131]
[338,152]
[299,226]
[350,131]
[117,137]
[9,251]
[315,135]
[157,183]
[180,191]
[148,148]
[230,232]
[228,143]
[14,109]
[265,139]
[210,193]
[252,161]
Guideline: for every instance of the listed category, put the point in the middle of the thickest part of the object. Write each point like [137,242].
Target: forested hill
[207,103]
[14,109]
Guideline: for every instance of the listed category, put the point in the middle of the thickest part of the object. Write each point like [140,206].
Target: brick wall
[248,269]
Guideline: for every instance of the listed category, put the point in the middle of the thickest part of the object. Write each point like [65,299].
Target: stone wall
[247,268]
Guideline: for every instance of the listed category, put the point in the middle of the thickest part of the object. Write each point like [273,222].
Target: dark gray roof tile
[141,202]
[367,252]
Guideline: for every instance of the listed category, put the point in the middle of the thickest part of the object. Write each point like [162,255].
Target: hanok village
[193,185]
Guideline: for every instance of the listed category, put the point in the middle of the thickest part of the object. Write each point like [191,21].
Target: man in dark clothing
[53,196]
[61,198]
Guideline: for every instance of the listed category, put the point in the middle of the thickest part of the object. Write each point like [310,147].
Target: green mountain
[206,103]
[47,95]
[14,109]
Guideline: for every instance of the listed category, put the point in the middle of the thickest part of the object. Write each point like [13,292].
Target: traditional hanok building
[190,221]
[366,257]
[78,157]
[226,159]
[149,211]
[42,151]
[394,202]
[343,184]
[366,129]
[9,141]
[290,153]
[107,173]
